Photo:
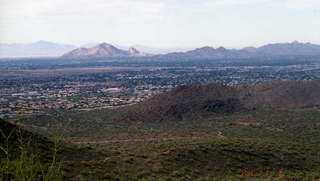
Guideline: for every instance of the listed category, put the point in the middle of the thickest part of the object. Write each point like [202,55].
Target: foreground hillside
[268,131]
[215,158]
[211,159]
[27,156]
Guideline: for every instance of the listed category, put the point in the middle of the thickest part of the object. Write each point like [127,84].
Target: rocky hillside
[101,50]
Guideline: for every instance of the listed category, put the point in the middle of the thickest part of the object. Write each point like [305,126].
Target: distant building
[111,90]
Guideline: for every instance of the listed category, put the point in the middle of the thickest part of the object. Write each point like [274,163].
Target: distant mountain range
[44,48]
[102,50]
[271,50]
[279,49]
[51,49]
[207,52]
[36,49]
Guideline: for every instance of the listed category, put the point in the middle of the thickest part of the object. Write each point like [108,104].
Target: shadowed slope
[187,99]
[216,98]
[14,135]
[284,94]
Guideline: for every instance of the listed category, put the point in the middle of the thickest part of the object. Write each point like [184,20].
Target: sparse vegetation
[208,140]
[27,157]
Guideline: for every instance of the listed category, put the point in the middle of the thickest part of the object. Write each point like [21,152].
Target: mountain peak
[102,50]
[42,42]
[295,42]
[205,48]
[104,45]
[221,49]
[133,51]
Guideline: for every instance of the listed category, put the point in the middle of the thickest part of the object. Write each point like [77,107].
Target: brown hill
[217,98]
[283,94]
[101,50]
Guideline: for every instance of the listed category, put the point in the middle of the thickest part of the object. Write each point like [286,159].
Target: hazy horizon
[120,46]
[161,24]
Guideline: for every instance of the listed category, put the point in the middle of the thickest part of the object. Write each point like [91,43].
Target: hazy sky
[161,23]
